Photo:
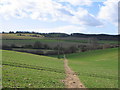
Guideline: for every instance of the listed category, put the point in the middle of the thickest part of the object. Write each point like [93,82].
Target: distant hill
[20,36]
[80,35]
[97,36]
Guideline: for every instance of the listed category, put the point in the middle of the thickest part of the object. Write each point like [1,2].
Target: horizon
[14,32]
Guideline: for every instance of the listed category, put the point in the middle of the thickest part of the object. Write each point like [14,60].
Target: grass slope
[29,39]
[25,70]
[96,69]
[24,36]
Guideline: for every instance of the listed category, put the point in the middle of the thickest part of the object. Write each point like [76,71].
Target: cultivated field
[21,36]
[96,69]
[23,70]
[32,38]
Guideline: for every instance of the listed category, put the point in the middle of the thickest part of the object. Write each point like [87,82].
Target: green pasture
[96,69]
[23,70]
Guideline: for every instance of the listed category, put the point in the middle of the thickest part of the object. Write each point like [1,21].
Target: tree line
[59,49]
[98,36]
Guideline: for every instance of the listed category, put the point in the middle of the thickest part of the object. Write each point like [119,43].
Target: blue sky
[65,16]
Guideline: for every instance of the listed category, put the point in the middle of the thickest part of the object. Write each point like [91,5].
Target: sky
[64,16]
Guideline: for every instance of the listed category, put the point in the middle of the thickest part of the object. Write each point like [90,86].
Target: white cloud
[33,8]
[83,17]
[77,2]
[109,12]
[62,29]
[48,10]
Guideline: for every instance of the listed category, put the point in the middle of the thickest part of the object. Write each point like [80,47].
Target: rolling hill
[23,70]
[96,69]
[21,36]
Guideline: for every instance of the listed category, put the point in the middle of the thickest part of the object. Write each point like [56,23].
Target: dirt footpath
[72,80]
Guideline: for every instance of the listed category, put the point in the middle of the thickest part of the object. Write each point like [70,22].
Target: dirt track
[72,80]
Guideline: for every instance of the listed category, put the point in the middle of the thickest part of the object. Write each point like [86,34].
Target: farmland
[25,39]
[59,44]
[30,38]
[21,36]
[23,70]
[95,61]
[96,69]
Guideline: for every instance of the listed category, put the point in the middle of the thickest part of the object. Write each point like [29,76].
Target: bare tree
[93,42]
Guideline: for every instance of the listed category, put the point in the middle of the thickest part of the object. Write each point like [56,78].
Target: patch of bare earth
[72,80]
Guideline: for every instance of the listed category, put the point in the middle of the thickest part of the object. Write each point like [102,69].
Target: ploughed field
[23,70]
[96,69]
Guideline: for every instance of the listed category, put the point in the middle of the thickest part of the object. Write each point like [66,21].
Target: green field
[96,69]
[23,36]
[32,40]
[29,39]
[23,70]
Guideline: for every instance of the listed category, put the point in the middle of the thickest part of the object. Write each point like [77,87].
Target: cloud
[62,29]
[109,12]
[77,2]
[83,17]
[49,10]
[33,8]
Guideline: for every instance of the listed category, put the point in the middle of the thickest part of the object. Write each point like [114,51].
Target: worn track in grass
[72,80]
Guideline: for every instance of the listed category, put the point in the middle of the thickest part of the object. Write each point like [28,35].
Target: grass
[0,69]
[32,40]
[28,39]
[86,41]
[96,69]
[24,36]
[25,70]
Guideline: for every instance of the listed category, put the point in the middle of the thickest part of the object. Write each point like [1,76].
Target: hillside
[29,39]
[96,69]
[23,70]
[21,36]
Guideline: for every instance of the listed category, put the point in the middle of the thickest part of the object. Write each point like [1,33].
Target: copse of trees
[23,32]
[82,48]
[46,46]
[62,50]
[38,45]
[57,50]
[11,32]
[13,46]
[27,46]
[4,32]
[6,47]
[98,36]
[54,34]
